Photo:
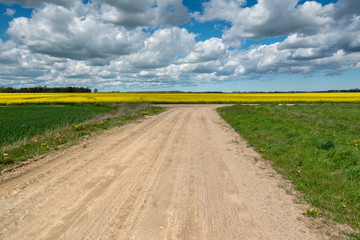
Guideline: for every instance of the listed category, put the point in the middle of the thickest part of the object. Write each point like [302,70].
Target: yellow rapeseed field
[35,98]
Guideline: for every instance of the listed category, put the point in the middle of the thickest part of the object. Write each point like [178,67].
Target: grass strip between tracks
[316,146]
[68,132]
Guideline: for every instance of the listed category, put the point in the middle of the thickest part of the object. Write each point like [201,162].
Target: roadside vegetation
[316,146]
[33,130]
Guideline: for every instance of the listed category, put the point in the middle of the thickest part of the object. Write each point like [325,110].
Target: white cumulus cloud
[144,12]
[163,47]
[10,12]
[122,44]
[75,33]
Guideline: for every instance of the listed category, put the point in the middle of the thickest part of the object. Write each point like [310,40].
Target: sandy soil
[184,174]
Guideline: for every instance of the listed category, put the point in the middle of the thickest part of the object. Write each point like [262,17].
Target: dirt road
[183,174]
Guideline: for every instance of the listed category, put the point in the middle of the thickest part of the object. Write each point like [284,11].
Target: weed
[312,213]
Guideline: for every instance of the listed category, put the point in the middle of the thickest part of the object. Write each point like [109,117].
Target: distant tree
[6,90]
[44,90]
[96,90]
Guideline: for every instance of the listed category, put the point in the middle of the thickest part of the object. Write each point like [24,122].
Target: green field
[316,146]
[17,122]
[28,131]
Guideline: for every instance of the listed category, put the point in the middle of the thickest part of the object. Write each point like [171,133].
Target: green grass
[71,123]
[352,235]
[19,122]
[316,146]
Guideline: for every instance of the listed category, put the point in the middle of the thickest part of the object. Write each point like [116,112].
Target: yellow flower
[344,205]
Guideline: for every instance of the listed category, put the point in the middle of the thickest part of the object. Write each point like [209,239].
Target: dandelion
[344,205]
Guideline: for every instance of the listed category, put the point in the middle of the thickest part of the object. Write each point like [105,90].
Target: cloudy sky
[190,45]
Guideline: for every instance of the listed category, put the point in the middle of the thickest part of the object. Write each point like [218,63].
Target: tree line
[45,90]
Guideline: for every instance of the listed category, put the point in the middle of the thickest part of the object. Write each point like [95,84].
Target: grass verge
[69,133]
[316,146]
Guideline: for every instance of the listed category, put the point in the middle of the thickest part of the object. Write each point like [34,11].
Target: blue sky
[203,45]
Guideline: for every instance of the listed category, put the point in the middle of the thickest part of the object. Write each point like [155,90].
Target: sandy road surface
[183,174]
